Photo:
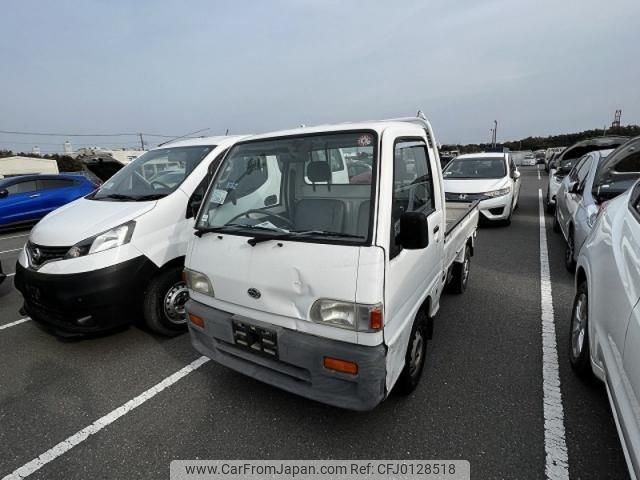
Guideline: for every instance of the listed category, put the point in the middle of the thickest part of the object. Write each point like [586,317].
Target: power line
[48,134]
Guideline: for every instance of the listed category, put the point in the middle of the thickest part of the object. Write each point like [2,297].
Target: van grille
[39,254]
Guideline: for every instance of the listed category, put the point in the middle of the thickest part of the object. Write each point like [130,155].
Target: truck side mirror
[515,174]
[414,231]
[4,193]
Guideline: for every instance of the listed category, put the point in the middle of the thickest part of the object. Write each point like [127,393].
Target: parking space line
[539,177]
[12,250]
[79,437]
[555,445]
[14,236]
[13,324]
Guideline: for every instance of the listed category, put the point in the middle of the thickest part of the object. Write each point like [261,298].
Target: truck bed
[456,212]
[461,224]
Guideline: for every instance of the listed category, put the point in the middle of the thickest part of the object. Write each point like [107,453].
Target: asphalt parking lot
[481,397]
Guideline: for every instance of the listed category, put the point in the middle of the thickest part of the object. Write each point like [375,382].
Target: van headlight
[115,237]
[498,193]
[198,282]
[352,316]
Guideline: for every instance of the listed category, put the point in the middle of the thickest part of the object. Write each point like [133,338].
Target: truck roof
[377,125]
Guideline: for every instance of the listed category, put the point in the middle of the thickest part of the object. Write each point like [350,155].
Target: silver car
[596,178]
[605,320]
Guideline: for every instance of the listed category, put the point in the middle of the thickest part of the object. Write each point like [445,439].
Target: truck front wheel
[414,359]
[164,302]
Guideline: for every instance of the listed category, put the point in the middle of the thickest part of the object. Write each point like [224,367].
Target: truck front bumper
[87,302]
[299,366]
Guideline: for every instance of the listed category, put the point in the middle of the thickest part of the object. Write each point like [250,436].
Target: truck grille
[39,254]
[464,197]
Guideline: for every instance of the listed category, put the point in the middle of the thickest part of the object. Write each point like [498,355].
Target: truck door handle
[436,229]
[35,195]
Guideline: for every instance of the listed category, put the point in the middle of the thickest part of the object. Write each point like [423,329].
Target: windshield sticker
[205,218]
[232,185]
[218,196]
[268,224]
[365,140]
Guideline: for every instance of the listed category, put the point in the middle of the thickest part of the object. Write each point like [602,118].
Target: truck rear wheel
[415,356]
[460,273]
[164,303]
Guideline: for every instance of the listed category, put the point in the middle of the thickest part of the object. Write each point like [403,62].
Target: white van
[118,254]
[328,292]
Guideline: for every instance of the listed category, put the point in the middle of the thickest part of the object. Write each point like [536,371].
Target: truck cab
[327,286]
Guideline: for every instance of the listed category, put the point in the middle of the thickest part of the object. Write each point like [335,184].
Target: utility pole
[495,133]
[141,141]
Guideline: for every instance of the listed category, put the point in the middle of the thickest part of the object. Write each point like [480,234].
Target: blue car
[26,199]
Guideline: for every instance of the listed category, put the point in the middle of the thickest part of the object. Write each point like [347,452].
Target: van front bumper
[299,366]
[87,302]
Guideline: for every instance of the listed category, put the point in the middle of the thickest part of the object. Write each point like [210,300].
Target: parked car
[491,178]
[529,159]
[26,199]
[330,293]
[605,319]
[567,159]
[597,178]
[117,255]
[540,156]
[576,208]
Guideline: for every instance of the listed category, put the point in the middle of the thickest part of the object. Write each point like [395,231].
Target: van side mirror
[4,193]
[414,231]
[515,174]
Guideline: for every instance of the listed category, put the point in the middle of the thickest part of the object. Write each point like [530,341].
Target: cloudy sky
[538,67]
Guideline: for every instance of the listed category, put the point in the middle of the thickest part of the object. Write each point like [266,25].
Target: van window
[412,185]
[631,164]
[153,175]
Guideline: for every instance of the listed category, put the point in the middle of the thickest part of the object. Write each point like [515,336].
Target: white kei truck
[330,288]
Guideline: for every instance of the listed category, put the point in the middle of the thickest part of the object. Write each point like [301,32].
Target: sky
[171,67]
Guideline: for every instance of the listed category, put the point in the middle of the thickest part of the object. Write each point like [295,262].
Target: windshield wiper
[150,196]
[118,196]
[300,233]
[233,226]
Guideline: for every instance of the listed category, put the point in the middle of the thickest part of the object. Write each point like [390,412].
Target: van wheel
[579,350]
[460,273]
[569,253]
[414,359]
[164,303]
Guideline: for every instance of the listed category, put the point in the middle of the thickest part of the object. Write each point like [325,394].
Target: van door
[410,274]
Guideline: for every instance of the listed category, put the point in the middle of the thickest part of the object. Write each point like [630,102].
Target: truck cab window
[412,185]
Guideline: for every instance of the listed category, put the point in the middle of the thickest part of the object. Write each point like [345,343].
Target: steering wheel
[262,212]
[162,185]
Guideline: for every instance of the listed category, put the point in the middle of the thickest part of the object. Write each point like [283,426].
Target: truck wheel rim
[174,302]
[578,329]
[416,353]
[465,270]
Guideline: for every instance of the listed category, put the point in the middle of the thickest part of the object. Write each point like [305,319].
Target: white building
[10,166]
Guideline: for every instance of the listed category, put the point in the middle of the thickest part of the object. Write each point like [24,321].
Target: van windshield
[153,175]
[311,187]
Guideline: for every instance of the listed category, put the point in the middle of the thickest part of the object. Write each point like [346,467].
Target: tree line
[537,143]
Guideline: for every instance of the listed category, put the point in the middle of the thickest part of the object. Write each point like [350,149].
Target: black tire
[579,350]
[460,273]
[415,356]
[166,286]
[569,253]
[556,223]
[549,207]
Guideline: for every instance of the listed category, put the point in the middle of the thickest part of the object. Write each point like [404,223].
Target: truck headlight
[115,237]
[198,282]
[498,193]
[352,316]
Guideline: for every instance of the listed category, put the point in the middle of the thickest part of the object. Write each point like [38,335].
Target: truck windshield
[153,175]
[480,167]
[307,188]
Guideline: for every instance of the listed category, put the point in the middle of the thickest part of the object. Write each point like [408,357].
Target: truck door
[410,273]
